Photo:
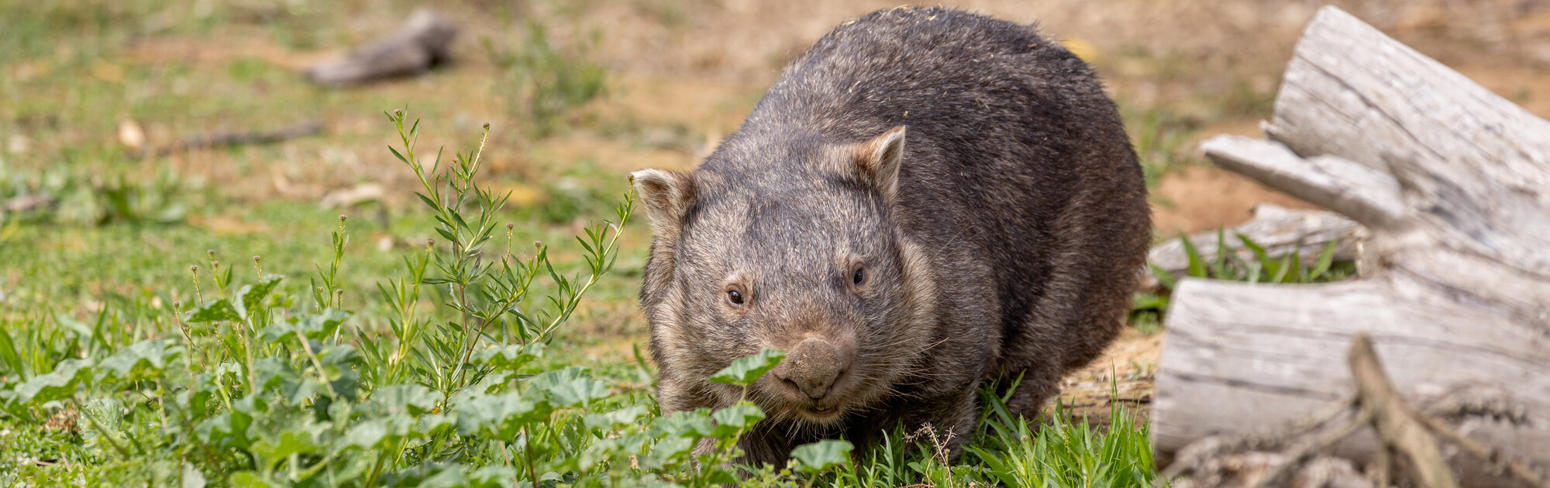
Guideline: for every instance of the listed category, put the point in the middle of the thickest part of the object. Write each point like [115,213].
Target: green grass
[1148,309]
[107,378]
[550,79]
[454,376]
[1161,140]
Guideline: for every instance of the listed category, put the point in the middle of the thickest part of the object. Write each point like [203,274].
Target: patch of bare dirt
[158,50]
[226,225]
[1123,375]
[1201,198]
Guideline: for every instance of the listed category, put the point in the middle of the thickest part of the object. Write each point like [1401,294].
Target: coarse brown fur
[928,200]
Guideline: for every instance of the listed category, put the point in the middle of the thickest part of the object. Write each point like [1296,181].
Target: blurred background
[135,135]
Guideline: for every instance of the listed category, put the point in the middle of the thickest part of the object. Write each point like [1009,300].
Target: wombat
[926,201]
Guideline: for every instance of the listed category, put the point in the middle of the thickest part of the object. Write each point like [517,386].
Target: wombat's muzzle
[814,366]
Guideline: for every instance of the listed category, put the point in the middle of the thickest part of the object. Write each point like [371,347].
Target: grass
[550,80]
[1161,139]
[1227,264]
[455,377]
[369,359]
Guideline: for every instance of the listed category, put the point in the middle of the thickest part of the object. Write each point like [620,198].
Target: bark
[1453,184]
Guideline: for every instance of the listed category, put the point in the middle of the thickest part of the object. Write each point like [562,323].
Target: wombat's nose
[813,366]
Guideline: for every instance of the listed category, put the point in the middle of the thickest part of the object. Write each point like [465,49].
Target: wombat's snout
[814,366]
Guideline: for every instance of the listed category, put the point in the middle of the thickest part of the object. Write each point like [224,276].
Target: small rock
[17,144]
[349,197]
[130,134]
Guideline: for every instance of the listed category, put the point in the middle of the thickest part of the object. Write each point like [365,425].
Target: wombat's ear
[879,160]
[667,195]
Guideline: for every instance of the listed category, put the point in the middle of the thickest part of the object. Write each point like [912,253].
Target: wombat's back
[1015,158]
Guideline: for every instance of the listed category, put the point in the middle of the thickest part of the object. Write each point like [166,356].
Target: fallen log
[424,41]
[1453,183]
[1298,457]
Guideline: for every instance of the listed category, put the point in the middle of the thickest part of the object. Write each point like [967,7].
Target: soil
[1122,377]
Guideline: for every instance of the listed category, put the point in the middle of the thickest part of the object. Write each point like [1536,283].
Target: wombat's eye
[734,296]
[858,277]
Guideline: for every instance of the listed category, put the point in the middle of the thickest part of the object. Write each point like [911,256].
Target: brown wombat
[928,200]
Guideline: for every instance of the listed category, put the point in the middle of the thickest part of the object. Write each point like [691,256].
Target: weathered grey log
[1453,183]
[1280,230]
[423,42]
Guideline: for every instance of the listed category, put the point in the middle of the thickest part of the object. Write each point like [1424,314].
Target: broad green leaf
[499,416]
[275,374]
[601,421]
[342,362]
[509,357]
[412,399]
[459,476]
[252,296]
[81,330]
[301,440]
[322,325]
[695,423]
[733,420]
[449,476]
[230,427]
[377,433]
[62,382]
[744,371]
[488,385]
[666,451]
[368,434]
[822,455]
[568,387]
[280,333]
[144,359]
[248,479]
[492,477]
[432,425]
[198,401]
[215,311]
[191,477]
[601,451]
[721,476]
